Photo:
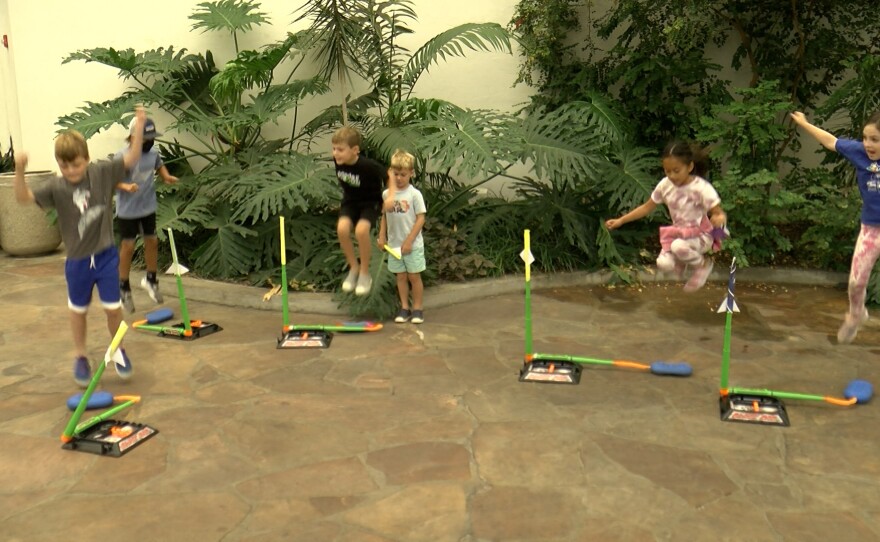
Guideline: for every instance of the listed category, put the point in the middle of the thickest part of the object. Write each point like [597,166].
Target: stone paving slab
[424,433]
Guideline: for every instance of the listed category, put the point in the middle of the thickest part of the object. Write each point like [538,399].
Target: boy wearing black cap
[136,213]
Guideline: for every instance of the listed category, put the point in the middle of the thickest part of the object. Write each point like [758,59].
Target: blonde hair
[70,145]
[403,160]
[348,135]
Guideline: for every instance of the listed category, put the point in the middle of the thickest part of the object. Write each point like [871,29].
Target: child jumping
[83,199]
[402,222]
[864,155]
[361,180]
[695,208]
[136,206]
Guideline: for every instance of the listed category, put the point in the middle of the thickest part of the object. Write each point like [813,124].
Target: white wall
[37,89]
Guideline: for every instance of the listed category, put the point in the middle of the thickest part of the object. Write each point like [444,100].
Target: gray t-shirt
[143,202]
[408,204]
[85,210]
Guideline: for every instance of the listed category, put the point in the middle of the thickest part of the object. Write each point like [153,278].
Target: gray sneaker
[152,289]
[127,300]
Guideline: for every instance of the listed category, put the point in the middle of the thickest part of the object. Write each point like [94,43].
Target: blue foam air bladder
[862,390]
[159,315]
[671,368]
[99,399]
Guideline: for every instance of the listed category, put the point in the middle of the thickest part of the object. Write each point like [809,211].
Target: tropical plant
[241,175]
[7,159]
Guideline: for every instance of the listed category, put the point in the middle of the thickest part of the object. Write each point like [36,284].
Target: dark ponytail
[687,153]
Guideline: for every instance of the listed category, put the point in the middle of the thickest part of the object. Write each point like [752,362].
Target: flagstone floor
[424,433]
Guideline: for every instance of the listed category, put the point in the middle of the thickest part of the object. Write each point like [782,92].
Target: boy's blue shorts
[101,269]
[414,262]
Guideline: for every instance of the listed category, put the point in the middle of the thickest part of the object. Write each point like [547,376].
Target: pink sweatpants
[864,257]
[684,252]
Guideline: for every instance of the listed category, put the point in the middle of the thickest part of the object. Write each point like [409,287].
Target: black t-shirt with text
[361,182]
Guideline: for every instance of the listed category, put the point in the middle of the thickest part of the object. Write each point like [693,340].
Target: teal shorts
[414,262]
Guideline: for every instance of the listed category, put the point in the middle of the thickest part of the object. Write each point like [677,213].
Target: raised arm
[133,154]
[23,193]
[641,211]
[826,139]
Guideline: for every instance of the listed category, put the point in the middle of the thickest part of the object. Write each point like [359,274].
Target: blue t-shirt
[868,177]
[143,202]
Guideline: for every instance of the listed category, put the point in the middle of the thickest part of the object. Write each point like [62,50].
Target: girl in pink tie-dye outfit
[864,155]
[695,209]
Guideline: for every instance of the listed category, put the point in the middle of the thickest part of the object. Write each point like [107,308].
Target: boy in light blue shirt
[401,228]
[136,206]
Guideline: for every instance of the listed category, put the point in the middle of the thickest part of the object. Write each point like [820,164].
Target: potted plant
[25,230]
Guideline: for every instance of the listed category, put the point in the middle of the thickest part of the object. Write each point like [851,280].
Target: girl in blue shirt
[864,155]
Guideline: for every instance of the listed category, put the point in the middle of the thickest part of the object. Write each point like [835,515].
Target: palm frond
[384,22]
[454,43]
[335,35]
[229,15]
[94,117]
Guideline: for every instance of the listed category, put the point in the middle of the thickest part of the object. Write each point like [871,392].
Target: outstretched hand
[613,223]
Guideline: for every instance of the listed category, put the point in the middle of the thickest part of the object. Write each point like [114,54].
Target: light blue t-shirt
[143,202]
[408,204]
[867,176]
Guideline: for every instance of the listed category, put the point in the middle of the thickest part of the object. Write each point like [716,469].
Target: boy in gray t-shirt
[83,198]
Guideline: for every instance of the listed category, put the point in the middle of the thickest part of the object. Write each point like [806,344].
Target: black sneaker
[402,316]
[127,300]
[417,317]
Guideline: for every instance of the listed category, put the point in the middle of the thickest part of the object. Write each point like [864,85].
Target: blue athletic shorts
[101,269]
[414,262]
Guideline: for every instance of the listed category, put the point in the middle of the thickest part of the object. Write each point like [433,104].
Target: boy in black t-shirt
[361,180]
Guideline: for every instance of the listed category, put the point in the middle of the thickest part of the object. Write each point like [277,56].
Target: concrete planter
[24,229]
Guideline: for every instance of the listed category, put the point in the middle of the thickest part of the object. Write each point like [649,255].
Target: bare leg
[418,288]
[343,231]
[126,251]
[365,244]
[78,327]
[403,290]
[151,254]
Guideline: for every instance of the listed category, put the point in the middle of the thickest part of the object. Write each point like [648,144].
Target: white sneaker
[365,282]
[350,281]
[152,289]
